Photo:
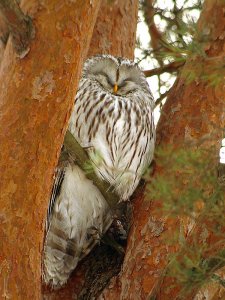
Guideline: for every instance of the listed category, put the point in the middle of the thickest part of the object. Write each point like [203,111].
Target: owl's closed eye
[120,79]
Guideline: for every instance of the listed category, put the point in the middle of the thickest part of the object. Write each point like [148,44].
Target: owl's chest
[116,132]
[116,123]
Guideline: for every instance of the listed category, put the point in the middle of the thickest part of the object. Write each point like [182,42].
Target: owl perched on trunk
[113,119]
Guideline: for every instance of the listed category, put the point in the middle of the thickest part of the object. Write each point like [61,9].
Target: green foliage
[172,26]
[209,70]
[96,157]
[187,185]
[186,182]
[188,271]
[192,270]
[175,38]
[189,180]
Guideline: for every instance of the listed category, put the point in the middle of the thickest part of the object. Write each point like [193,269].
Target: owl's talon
[93,233]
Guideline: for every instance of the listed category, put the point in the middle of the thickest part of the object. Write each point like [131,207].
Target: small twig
[160,99]
[19,25]
[81,157]
[155,34]
[169,68]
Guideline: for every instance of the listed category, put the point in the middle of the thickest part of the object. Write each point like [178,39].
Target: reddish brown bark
[36,95]
[193,112]
[115,29]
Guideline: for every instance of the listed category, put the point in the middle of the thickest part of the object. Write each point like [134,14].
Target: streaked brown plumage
[113,119]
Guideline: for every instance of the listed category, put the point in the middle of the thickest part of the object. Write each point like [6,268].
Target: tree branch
[19,25]
[81,157]
[160,99]
[155,34]
[169,68]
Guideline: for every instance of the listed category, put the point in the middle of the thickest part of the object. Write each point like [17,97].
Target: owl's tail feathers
[78,219]
[60,258]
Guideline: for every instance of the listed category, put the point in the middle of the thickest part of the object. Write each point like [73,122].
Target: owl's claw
[93,232]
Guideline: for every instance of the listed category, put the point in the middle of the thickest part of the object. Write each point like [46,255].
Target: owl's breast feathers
[119,132]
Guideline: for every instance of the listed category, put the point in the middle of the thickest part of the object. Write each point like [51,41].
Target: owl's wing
[79,217]
[58,179]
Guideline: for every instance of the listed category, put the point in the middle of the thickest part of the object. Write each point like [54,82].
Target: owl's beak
[115,88]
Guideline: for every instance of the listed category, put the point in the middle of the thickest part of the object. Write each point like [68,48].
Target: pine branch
[209,265]
[18,25]
[169,68]
[214,263]
[218,279]
[81,157]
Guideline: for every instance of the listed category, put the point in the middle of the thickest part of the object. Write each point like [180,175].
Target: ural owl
[113,119]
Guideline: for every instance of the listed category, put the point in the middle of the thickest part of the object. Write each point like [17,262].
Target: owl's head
[116,75]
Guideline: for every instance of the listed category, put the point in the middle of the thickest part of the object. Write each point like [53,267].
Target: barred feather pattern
[121,138]
[119,134]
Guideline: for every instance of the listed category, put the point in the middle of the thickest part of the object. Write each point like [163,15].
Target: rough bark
[194,112]
[2,49]
[115,29]
[114,33]
[156,35]
[36,99]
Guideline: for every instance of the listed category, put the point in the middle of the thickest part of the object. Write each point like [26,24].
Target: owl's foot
[93,233]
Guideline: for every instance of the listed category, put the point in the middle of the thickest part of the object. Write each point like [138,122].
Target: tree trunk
[194,112]
[115,29]
[36,95]
[114,33]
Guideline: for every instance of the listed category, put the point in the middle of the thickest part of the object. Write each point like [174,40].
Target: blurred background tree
[165,39]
